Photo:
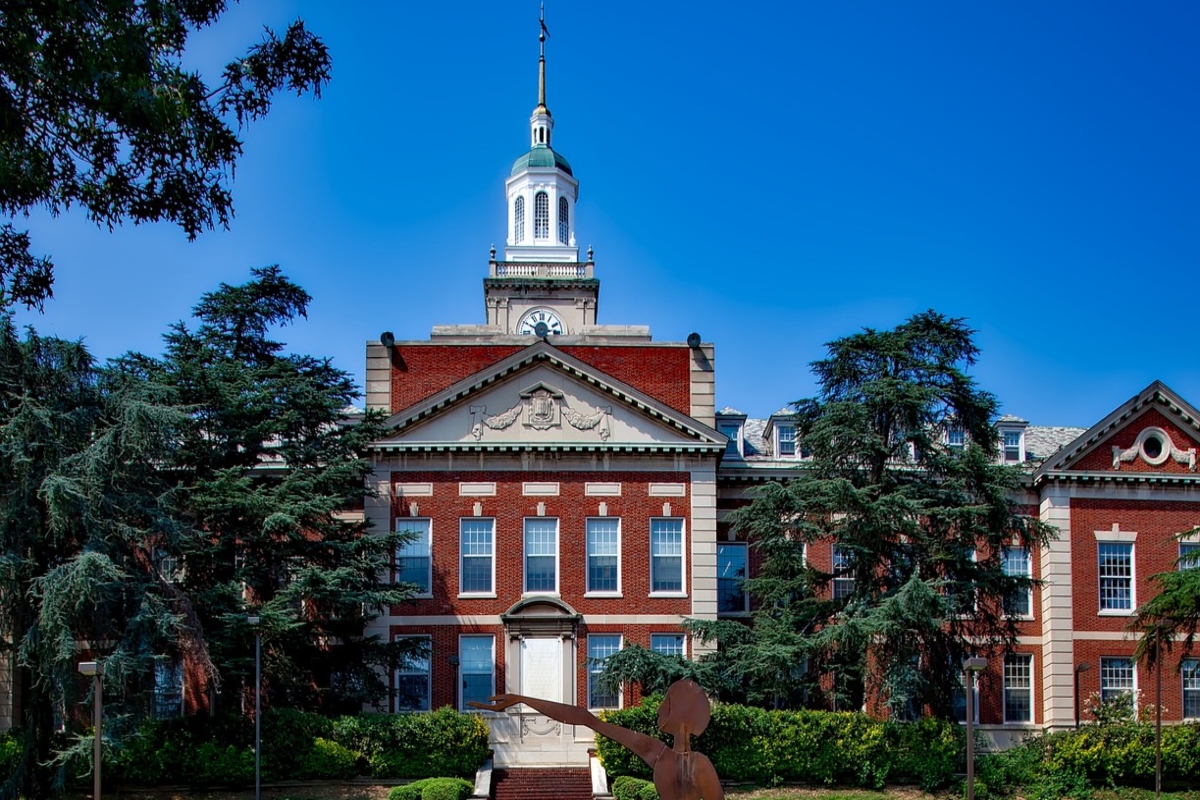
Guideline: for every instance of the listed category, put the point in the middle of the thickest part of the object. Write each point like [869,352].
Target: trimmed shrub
[630,788]
[287,742]
[767,748]
[434,789]
[330,760]
[10,754]
[445,742]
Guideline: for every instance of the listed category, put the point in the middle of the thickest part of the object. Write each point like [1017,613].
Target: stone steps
[558,783]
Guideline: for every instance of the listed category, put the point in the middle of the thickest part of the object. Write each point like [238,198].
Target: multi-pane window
[787,440]
[731,571]
[1190,669]
[412,676]
[413,563]
[541,216]
[734,432]
[1189,555]
[958,702]
[956,437]
[1012,446]
[601,646]
[168,687]
[541,554]
[843,576]
[1015,562]
[476,537]
[959,589]
[603,554]
[669,644]
[1116,680]
[1018,687]
[519,220]
[564,221]
[1116,576]
[478,669]
[666,555]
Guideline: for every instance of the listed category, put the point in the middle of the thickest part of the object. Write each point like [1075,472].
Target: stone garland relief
[541,408]
[1155,446]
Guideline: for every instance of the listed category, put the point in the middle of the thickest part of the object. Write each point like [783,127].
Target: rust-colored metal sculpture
[679,772]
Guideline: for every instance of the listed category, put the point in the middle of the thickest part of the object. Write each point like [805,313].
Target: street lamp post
[95,670]
[254,620]
[1080,667]
[970,667]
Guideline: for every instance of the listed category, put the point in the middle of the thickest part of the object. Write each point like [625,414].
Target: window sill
[733,614]
[525,595]
[1019,617]
[607,596]
[476,596]
[675,595]
[1115,612]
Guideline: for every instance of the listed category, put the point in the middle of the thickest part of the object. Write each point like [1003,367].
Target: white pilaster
[1058,644]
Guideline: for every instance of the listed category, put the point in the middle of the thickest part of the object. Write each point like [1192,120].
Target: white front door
[542,668]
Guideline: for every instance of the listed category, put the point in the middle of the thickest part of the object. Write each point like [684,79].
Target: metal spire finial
[543,33]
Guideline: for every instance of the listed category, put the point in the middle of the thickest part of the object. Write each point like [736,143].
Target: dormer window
[734,431]
[787,440]
[1012,446]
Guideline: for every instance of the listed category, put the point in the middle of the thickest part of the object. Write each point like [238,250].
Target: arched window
[564,221]
[541,216]
[518,220]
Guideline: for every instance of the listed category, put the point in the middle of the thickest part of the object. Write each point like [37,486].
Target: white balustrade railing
[511,270]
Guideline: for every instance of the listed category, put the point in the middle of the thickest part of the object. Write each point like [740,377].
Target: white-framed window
[958,701]
[541,216]
[477,663]
[732,570]
[519,220]
[956,437]
[414,563]
[564,221]
[476,547]
[413,678]
[666,555]
[603,535]
[843,574]
[1018,687]
[669,644]
[541,554]
[1012,445]
[1190,671]
[734,432]
[961,598]
[1118,680]
[168,687]
[1115,564]
[1015,561]
[168,566]
[787,439]
[601,646]
[1187,555]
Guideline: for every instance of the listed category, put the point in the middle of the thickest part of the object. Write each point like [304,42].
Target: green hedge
[768,748]
[10,754]
[302,746]
[627,787]
[434,789]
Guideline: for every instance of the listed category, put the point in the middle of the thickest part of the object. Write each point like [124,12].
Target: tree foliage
[922,526]
[1174,611]
[97,111]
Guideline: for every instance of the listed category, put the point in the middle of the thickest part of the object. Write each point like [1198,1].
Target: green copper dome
[541,156]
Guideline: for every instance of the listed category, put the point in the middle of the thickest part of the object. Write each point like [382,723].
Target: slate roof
[1043,441]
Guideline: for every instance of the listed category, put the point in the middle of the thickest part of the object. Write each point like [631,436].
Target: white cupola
[541,191]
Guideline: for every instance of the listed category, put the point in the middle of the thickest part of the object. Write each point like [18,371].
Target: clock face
[541,322]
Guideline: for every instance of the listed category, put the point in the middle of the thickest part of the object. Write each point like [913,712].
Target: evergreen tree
[96,111]
[268,468]
[920,525]
[1174,611]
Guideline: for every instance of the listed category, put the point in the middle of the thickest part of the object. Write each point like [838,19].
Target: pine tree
[921,527]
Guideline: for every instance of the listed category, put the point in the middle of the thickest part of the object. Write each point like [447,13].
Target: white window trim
[396,673]
[737,439]
[476,595]
[1183,692]
[587,687]
[795,454]
[745,546]
[525,592]
[678,634]
[1032,694]
[1119,612]
[833,550]
[588,591]
[401,522]
[1133,667]
[1029,589]
[461,674]
[683,559]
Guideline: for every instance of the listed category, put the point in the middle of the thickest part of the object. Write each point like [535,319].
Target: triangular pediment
[1153,434]
[542,398]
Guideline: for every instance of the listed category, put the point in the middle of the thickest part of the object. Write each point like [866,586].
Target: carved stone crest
[541,407]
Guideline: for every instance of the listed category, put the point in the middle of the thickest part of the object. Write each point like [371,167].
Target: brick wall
[1100,459]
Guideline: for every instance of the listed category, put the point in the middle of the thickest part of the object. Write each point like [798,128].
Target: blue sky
[771,175]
